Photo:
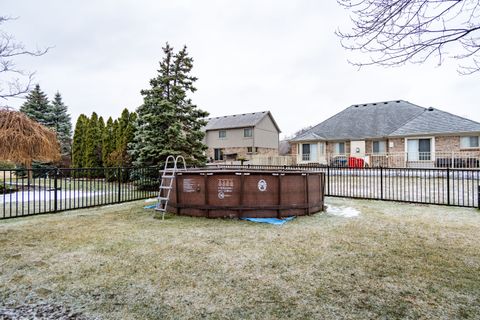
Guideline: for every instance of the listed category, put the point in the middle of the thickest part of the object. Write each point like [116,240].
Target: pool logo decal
[262,185]
[225,188]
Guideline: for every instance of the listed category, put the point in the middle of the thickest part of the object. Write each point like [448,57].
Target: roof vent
[374,104]
[385,103]
[356,106]
[398,101]
[430,109]
[364,105]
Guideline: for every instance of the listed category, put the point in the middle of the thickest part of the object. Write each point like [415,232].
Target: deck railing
[456,159]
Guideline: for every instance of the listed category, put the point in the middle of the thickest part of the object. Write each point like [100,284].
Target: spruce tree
[62,125]
[37,107]
[168,122]
[79,141]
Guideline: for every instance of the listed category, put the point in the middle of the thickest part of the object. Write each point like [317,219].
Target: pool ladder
[168,175]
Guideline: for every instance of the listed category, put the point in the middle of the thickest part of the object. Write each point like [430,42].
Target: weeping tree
[22,140]
[14,81]
[395,32]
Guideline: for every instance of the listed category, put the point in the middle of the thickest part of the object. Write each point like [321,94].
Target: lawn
[390,261]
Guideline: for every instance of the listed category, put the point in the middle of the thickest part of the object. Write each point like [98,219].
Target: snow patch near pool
[346,212]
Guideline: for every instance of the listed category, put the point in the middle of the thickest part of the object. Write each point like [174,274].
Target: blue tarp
[269,220]
[258,220]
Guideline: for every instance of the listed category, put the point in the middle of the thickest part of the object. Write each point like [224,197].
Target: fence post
[381,183]
[119,172]
[55,186]
[448,186]
[328,180]
[478,197]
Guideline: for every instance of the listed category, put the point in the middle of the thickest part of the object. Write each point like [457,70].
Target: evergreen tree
[38,108]
[62,125]
[124,135]
[109,143]
[168,122]
[79,141]
[115,131]
[92,156]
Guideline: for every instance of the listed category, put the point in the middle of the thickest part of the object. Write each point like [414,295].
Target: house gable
[243,120]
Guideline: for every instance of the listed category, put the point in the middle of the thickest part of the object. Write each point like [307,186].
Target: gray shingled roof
[370,120]
[238,121]
[434,121]
[390,118]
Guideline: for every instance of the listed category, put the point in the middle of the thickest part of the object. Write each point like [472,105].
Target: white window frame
[220,136]
[432,147]
[462,146]
[380,142]
[245,130]
[337,147]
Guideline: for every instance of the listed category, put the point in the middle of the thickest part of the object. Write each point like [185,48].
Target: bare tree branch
[14,82]
[393,32]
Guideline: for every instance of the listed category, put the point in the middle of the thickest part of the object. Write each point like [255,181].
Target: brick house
[391,133]
[241,136]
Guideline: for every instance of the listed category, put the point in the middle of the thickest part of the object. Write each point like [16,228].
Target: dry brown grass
[392,261]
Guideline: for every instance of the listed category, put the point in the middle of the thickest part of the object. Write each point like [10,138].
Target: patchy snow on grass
[346,212]
[49,195]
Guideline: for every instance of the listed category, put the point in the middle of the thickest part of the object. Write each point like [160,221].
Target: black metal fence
[30,192]
[35,191]
[442,186]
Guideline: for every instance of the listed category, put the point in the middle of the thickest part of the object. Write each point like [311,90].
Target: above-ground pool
[247,193]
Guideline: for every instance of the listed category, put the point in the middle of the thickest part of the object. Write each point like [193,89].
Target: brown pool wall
[238,194]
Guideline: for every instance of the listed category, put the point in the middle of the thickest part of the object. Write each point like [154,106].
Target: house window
[340,147]
[379,146]
[248,132]
[222,134]
[218,154]
[305,151]
[419,149]
[309,152]
[469,142]
[252,149]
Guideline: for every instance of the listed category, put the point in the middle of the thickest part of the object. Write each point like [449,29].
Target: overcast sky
[249,56]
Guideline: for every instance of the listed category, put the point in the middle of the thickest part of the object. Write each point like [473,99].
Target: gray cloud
[249,56]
